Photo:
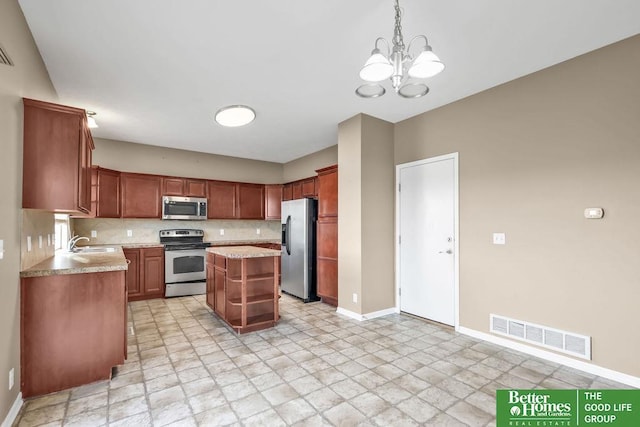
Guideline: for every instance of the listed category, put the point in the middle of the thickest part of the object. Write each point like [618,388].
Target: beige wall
[28,78]
[349,214]
[534,153]
[306,166]
[40,226]
[141,158]
[365,219]
[377,224]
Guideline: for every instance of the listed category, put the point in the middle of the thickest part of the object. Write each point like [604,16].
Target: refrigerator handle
[287,240]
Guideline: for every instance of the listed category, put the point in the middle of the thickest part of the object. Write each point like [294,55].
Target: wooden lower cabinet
[245,291]
[73,330]
[145,277]
[327,259]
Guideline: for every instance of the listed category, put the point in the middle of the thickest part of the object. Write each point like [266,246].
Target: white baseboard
[368,316]
[13,412]
[554,357]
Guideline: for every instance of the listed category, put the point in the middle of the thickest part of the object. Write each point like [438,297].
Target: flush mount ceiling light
[399,65]
[235,115]
[91,120]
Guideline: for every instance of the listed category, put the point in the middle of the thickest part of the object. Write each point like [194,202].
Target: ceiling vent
[4,58]
[544,336]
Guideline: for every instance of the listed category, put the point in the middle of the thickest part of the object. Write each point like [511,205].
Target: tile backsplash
[40,227]
[115,230]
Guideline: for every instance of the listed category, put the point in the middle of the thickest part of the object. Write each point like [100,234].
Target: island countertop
[243,251]
[78,263]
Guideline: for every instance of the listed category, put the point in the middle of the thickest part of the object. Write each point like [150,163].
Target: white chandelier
[399,65]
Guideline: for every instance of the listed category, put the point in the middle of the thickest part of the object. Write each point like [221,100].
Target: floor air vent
[4,58]
[555,339]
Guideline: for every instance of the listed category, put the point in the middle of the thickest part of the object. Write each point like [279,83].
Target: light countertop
[78,263]
[243,251]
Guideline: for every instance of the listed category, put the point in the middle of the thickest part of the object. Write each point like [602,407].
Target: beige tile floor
[185,368]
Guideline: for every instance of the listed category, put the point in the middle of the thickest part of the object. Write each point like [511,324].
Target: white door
[427,204]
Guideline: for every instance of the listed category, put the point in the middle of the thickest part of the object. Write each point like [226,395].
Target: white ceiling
[155,71]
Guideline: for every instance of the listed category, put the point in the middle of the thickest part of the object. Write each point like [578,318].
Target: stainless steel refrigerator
[299,248]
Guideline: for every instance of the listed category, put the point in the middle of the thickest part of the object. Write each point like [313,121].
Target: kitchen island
[73,318]
[242,286]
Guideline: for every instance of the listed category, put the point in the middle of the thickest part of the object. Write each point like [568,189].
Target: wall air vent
[544,336]
[4,58]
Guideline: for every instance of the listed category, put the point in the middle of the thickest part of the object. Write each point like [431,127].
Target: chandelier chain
[398,41]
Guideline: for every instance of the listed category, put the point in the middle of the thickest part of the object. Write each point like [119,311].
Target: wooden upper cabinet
[195,187]
[309,187]
[107,193]
[57,148]
[328,191]
[250,201]
[296,190]
[272,201]
[173,186]
[221,200]
[141,195]
[287,192]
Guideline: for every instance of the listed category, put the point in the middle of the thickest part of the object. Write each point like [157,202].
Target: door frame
[456,230]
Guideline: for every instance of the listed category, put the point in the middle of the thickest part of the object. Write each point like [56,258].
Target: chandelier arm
[386,44]
[421,36]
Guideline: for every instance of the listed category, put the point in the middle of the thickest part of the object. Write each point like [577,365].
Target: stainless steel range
[184,262]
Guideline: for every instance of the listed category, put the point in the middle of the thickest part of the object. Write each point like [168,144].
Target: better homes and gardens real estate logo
[546,408]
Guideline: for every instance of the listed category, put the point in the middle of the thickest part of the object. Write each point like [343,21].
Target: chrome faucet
[71,246]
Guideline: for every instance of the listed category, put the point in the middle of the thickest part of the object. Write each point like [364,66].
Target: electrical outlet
[94,234]
[48,239]
[28,243]
[355,297]
[222,231]
[499,239]
[1,249]
[257,231]
[11,378]
[40,242]
[129,233]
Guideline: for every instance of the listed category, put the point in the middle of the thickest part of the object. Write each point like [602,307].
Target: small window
[62,230]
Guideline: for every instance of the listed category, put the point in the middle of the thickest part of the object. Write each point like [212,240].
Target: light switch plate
[129,233]
[94,234]
[499,239]
[257,231]
[28,243]
[222,231]
[40,242]
[1,249]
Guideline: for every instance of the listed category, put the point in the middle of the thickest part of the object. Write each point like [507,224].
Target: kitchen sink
[93,249]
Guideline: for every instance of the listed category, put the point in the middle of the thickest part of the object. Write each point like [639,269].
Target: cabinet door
[328,192]
[108,194]
[172,186]
[250,201]
[152,276]
[296,190]
[272,201]
[132,276]
[53,154]
[195,188]
[327,257]
[141,196]
[309,187]
[84,170]
[287,192]
[221,200]
[210,283]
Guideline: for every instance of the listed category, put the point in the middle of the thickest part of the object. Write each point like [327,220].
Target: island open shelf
[242,286]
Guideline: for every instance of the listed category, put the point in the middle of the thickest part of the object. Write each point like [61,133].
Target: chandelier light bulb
[426,65]
[377,68]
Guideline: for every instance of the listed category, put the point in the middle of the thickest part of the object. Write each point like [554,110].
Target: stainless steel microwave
[177,207]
